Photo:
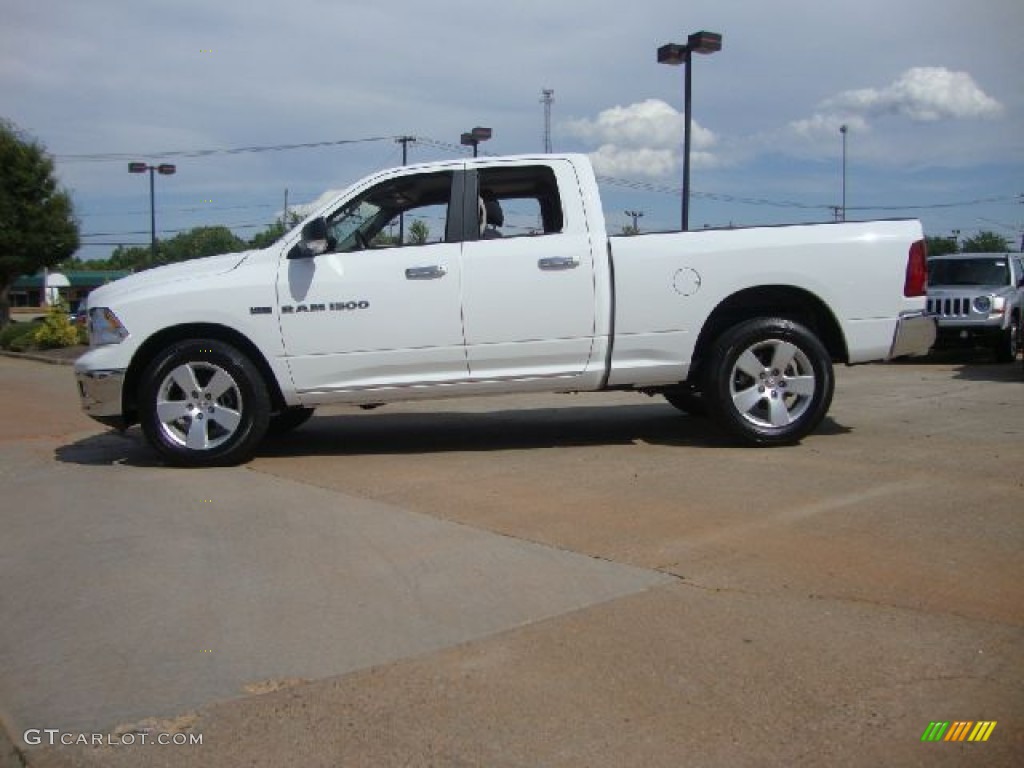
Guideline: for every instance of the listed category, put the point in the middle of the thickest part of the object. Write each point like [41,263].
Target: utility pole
[547,99]
[635,215]
[405,141]
[284,215]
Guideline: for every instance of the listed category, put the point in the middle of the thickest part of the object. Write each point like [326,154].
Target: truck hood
[950,289]
[194,269]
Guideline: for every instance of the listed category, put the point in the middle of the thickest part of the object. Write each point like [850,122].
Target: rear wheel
[687,399]
[769,381]
[203,403]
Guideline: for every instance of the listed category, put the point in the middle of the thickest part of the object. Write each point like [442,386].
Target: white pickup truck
[211,355]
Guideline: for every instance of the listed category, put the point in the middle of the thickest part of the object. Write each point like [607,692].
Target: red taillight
[916,282]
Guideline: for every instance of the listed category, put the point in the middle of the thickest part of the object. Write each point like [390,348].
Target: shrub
[57,330]
[17,337]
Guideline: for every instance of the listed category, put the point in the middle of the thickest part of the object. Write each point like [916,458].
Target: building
[72,287]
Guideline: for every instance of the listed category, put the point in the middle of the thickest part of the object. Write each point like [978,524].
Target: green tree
[986,242]
[37,223]
[419,232]
[199,242]
[269,236]
[940,246]
[131,257]
[274,232]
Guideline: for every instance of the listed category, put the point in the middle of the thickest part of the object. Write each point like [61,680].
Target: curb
[36,358]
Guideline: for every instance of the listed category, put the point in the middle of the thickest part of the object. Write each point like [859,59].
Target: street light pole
[152,217]
[843,130]
[165,169]
[474,137]
[675,54]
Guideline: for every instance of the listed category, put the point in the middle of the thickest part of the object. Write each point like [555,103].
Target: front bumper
[914,336]
[101,395]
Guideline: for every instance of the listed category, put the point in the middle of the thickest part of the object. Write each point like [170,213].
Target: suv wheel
[1006,344]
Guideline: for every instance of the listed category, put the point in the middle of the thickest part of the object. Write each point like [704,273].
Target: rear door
[528,285]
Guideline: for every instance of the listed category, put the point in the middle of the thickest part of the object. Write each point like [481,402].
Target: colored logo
[959,730]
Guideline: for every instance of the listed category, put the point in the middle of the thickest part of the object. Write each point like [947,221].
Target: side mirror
[313,241]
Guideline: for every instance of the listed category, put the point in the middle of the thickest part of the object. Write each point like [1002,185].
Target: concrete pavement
[538,581]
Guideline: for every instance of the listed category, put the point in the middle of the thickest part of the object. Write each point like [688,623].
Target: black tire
[283,422]
[769,381]
[1005,346]
[202,403]
[687,399]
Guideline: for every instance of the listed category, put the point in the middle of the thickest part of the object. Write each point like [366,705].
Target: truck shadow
[449,431]
[970,365]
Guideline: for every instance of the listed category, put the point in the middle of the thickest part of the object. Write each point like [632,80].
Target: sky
[930,92]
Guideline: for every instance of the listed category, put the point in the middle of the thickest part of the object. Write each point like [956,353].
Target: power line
[118,156]
[462,151]
[179,209]
[172,231]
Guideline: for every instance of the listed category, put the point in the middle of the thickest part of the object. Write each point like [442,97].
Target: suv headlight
[105,327]
[983,304]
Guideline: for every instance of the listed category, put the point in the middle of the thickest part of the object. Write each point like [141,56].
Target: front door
[381,308]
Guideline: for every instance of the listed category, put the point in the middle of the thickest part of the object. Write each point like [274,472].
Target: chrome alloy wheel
[772,383]
[199,405]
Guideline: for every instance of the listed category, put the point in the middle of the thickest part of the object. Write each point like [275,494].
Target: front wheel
[283,422]
[203,403]
[769,381]
[1005,346]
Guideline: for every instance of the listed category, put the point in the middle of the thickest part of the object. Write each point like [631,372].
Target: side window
[409,210]
[519,201]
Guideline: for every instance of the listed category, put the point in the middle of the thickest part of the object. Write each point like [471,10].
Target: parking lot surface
[588,580]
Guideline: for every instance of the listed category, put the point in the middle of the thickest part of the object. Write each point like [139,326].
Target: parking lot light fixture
[844,129]
[164,169]
[674,54]
[474,137]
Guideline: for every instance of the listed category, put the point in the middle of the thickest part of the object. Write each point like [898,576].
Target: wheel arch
[163,338]
[784,301]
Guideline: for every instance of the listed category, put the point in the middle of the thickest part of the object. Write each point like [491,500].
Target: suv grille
[955,307]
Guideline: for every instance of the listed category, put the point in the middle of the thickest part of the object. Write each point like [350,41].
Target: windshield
[994,271]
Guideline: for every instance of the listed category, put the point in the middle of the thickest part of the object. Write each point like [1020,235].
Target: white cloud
[820,125]
[642,139]
[922,94]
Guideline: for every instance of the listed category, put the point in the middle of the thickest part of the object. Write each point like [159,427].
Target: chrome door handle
[558,262]
[425,273]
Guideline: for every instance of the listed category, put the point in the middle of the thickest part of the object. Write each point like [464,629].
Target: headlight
[105,327]
[983,304]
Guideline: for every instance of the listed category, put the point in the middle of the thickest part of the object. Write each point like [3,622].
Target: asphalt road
[557,581]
